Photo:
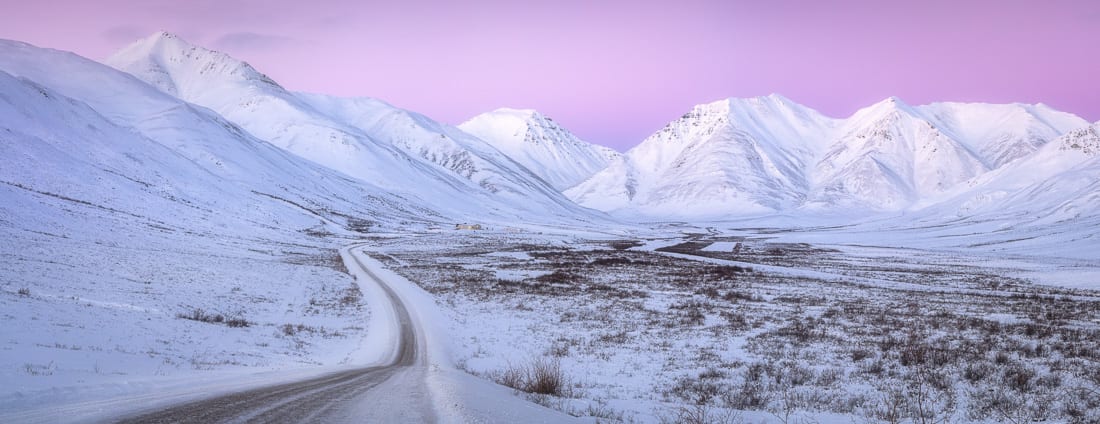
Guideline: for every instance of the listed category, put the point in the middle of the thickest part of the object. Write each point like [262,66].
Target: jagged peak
[892,102]
[519,118]
[156,41]
[165,52]
[890,108]
[165,35]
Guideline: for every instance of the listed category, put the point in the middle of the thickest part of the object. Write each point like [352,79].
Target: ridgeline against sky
[615,71]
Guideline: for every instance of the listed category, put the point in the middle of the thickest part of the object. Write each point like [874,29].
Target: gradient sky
[615,71]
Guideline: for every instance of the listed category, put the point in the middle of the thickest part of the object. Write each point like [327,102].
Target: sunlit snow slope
[123,208]
[364,138]
[733,156]
[541,145]
[767,154]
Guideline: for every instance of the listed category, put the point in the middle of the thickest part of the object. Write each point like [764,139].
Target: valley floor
[672,324]
[736,326]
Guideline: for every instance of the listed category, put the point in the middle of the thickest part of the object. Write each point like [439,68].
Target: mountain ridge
[889,156]
[727,158]
[541,145]
[372,140]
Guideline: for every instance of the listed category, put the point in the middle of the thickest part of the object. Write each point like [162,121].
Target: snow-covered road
[405,373]
[335,397]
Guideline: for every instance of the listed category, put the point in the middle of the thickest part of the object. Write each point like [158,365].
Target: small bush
[696,391]
[560,276]
[546,377]
[198,314]
[543,376]
[975,372]
[352,296]
[700,414]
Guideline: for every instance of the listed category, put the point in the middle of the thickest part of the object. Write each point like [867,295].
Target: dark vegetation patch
[968,344]
[200,315]
[328,258]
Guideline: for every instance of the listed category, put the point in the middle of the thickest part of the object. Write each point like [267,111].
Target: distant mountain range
[769,154]
[238,132]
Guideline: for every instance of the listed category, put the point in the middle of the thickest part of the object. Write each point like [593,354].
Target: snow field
[644,335]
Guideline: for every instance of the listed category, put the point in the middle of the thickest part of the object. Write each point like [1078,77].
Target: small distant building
[467,226]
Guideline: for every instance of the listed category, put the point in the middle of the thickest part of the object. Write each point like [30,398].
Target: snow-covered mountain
[733,156]
[748,156]
[159,147]
[1044,203]
[887,157]
[541,145]
[892,156]
[365,138]
[1001,133]
[1060,180]
[449,148]
[123,209]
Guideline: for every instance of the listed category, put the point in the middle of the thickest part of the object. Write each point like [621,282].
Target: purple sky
[614,71]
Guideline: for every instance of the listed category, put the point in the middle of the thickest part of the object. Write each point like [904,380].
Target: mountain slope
[1059,179]
[733,156]
[406,152]
[217,147]
[468,157]
[888,156]
[1046,203]
[541,145]
[1001,133]
[768,154]
[132,219]
[893,156]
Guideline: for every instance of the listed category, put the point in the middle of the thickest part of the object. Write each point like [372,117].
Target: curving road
[390,392]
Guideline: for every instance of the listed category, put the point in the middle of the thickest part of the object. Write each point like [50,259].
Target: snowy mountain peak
[732,156]
[177,67]
[891,108]
[541,145]
[525,125]
[363,138]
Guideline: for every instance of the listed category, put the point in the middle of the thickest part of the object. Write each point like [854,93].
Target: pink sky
[614,71]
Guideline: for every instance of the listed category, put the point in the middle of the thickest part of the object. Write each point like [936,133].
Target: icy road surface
[407,375]
[335,397]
